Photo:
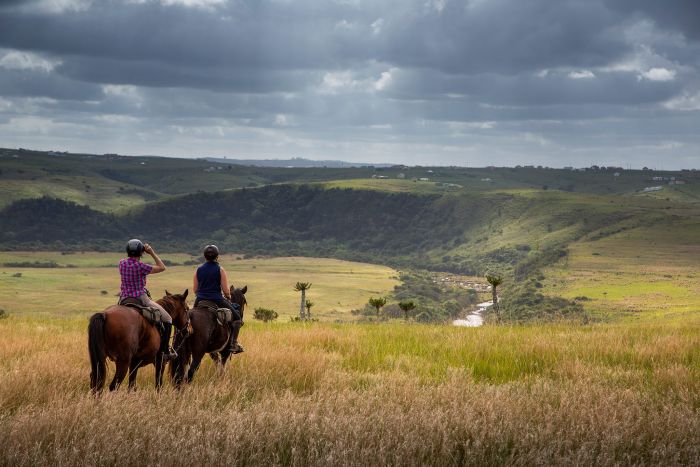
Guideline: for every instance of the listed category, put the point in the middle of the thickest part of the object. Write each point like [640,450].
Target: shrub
[3,314]
[265,314]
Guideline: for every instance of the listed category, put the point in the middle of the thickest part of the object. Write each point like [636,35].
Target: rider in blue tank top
[211,283]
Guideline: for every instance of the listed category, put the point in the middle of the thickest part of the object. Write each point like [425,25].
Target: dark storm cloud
[353,76]
[38,84]
[496,36]
[674,15]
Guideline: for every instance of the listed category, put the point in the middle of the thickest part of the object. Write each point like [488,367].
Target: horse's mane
[170,300]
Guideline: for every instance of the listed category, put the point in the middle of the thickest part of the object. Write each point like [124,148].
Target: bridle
[185,331]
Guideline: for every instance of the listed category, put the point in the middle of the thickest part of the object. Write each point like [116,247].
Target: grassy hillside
[515,221]
[111,182]
[641,273]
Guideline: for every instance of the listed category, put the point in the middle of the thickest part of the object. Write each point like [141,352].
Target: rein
[185,331]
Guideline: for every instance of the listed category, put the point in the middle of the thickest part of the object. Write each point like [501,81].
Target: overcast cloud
[446,82]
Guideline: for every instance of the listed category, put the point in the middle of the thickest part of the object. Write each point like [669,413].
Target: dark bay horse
[123,335]
[207,336]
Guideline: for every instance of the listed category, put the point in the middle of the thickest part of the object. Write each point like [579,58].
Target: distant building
[424,179]
[652,188]
[617,174]
[401,176]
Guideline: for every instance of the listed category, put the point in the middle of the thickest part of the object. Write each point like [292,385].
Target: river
[475,318]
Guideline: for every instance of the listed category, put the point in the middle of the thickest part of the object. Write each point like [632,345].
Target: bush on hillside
[265,314]
[524,302]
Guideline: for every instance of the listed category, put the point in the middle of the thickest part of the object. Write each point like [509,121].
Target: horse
[207,336]
[123,335]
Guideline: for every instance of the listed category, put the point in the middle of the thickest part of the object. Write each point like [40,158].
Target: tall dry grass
[362,394]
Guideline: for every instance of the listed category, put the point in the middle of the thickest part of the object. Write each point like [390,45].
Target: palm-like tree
[406,306]
[302,287]
[495,280]
[308,304]
[377,303]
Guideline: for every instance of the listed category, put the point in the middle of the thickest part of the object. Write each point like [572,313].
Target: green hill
[514,221]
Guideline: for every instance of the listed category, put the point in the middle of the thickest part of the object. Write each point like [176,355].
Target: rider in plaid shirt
[133,273]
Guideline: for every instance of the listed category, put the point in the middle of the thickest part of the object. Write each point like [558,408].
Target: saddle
[151,314]
[223,315]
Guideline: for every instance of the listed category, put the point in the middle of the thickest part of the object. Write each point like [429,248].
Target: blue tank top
[209,281]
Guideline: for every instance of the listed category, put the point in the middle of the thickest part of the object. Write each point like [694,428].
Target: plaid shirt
[133,273]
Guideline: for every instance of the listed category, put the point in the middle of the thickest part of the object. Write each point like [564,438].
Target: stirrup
[170,354]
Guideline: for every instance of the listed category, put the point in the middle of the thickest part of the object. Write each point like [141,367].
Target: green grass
[641,273]
[337,286]
[393,186]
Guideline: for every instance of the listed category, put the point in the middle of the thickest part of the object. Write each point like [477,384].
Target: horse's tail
[96,347]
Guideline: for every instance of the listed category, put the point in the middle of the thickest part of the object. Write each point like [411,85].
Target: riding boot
[234,346]
[165,348]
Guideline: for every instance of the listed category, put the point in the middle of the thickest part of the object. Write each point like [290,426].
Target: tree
[308,304]
[495,280]
[377,303]
[302,287]
[406,306]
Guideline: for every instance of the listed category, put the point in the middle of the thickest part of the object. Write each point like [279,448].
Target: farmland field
[77,287]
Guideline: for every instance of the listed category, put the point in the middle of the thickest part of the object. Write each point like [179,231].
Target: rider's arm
[224,284]
[159,267]
[195,283]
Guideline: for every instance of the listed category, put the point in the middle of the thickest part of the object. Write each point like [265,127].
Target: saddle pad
[224,315]
[151,314]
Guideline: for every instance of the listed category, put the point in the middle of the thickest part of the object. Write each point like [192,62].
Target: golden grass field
[326,393]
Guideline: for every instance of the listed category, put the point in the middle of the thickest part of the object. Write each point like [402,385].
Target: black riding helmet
[134,248]
[211,252]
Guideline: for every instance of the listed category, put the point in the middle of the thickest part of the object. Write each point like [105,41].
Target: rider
[133,273]
[211,283]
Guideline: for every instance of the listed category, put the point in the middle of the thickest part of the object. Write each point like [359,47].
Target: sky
[419,82]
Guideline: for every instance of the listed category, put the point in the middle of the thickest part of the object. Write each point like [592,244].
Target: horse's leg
[133,369]
[122,369]
[159,370]
[194,366]
[225,354]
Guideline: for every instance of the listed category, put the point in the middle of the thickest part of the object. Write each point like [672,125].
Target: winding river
[475,318]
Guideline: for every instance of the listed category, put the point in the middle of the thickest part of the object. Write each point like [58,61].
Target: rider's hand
[148,249]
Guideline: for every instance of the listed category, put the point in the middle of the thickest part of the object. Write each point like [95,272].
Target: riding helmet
[134,247]
[211,252]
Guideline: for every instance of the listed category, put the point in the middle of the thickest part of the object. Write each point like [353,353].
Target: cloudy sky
[444,82]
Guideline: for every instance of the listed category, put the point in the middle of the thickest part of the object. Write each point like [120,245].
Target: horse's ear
[232,288]
[167,294]
[184,295]
[244,289]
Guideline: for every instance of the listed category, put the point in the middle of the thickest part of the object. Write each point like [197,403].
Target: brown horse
[123,335]
[208,336]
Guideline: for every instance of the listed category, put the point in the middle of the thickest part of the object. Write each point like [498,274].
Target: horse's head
[238,296]
[176,305]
